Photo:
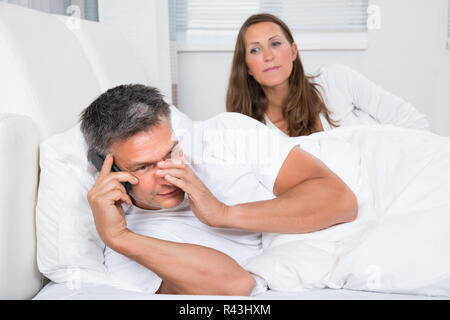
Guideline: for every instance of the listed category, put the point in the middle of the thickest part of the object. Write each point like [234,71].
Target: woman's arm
[376,101]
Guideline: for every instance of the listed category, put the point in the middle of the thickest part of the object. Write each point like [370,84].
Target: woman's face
[268,54]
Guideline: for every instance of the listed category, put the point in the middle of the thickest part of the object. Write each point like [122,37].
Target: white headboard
[51,68]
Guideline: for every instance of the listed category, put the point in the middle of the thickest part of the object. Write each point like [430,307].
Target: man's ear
[294,51]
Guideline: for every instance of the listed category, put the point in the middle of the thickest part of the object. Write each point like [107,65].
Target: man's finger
[176,164]
[123,176]
[107,165]
[172,163]
[125,198]
[119,196]
[177,173]
[177,182]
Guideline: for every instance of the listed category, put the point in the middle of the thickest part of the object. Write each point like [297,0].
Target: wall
[408,56]
[145,25]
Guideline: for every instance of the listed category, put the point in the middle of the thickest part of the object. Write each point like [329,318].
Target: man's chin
[172,202]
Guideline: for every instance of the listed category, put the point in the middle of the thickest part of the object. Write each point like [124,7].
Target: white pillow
[69,248]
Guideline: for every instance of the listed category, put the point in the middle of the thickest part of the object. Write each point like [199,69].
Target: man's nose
[162,181]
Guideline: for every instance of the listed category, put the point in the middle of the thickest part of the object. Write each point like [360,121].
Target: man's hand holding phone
[106,198]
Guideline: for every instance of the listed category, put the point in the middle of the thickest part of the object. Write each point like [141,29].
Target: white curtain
[49,6]
[89,8]
[300,15]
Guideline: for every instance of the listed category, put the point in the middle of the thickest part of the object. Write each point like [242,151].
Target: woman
[268,83]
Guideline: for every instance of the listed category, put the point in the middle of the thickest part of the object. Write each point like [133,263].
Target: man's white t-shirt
[238,159]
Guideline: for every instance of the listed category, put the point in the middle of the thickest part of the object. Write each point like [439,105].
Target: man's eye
[145,166]
[173,153]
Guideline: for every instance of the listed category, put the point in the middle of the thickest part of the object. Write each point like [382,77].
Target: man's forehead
[149,145]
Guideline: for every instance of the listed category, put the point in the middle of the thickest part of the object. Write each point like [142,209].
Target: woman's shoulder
[334,70]
[336,77]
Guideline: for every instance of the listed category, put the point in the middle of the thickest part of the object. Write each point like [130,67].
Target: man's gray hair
[120,113]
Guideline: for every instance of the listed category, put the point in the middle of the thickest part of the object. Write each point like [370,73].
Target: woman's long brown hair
[244,95]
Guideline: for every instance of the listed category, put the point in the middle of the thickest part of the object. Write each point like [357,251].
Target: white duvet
[400,242]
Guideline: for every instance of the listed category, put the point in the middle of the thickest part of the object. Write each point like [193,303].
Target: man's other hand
[203,203]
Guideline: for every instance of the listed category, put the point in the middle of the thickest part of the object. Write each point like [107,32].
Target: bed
[41,98]
[61,291]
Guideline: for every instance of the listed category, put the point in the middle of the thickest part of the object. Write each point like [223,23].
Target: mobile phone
[97,160]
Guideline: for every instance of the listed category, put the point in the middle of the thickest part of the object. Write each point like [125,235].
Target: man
[293,192]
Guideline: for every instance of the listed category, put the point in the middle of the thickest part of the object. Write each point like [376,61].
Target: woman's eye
[254,50]
[276,43]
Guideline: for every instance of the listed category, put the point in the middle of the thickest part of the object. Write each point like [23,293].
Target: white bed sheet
[61,291]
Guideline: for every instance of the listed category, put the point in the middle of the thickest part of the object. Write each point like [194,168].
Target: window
[316,24]
[91,10]
[88,8]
